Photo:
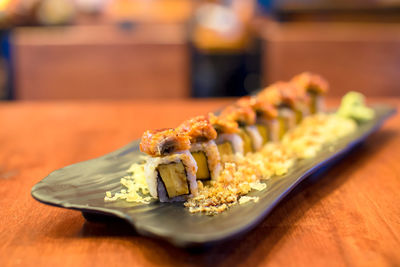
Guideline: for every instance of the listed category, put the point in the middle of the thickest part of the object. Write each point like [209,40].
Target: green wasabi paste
[353,106]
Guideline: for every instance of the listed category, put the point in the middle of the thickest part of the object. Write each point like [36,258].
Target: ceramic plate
[82,187]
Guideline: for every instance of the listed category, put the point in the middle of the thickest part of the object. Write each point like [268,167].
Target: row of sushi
[192,151]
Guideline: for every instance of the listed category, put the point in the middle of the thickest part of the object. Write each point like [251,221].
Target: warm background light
[121,49]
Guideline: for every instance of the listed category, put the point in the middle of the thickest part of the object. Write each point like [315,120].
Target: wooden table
[348,217]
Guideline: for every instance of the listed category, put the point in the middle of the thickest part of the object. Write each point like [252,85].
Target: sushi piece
[245,117]
[266,117]
[295,98]
[171,170]
[283,99]
[203,148]
[228,141]
[207,157]
[314,86]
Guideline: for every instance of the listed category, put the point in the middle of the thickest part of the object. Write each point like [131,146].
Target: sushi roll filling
[283,126]
[203,170]
[314,101]
[285,117]
[172,179]
[225,148]
[263,130]
[247,141]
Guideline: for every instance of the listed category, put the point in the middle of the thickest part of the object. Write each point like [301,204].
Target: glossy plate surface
[82,186]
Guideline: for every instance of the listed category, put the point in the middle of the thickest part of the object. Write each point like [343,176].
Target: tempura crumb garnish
[242,174]
[136,186]
[245,199]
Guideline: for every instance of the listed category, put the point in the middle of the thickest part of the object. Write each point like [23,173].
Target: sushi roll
[171,170]
[228,141]
[266,117]
[245,117]
[296,99]
[283,100]
[203,148]
[314,86]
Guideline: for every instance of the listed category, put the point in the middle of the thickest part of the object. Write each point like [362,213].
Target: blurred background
[129,49]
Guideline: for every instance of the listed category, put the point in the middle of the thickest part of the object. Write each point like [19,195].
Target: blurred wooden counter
[348,217]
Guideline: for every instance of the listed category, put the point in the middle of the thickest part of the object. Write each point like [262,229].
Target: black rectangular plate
[82,187]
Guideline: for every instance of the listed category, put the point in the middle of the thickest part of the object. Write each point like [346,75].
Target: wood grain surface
[347,216]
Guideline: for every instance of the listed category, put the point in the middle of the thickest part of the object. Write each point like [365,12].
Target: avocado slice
[174,177]
[203,173]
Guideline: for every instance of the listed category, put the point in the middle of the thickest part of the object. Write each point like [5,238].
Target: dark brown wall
[361,57]
[101,62]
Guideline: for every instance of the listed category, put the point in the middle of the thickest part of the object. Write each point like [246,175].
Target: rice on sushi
[281,98]
[203,148]
[245,117]
[314,86]
[171,169]
[266,118]
[207,157]
[228,141]
[173,177]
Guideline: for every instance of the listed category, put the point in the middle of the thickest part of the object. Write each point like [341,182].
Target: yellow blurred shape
[4,4]
[163,11]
